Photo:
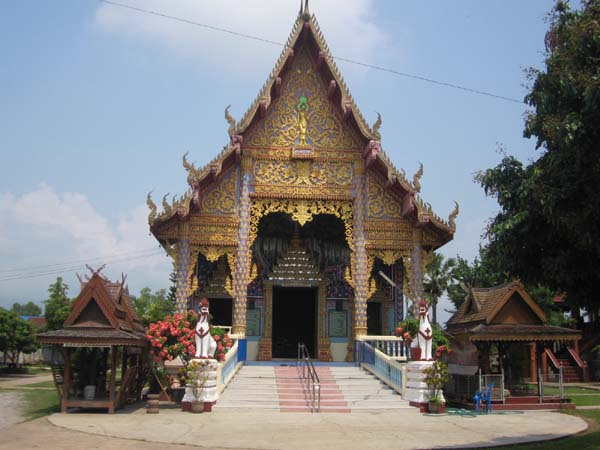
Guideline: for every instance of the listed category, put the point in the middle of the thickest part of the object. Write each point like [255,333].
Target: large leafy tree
[437,279]
[26,309]
[57,306]
[548,228]
[16,336]
[151,307]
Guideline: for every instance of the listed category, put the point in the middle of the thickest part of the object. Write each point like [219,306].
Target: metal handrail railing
[309,375]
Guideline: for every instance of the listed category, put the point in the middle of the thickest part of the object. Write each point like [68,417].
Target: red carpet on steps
[292,395]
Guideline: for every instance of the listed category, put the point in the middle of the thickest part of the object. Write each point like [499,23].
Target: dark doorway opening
[221,311]
[374,327]
[294,320]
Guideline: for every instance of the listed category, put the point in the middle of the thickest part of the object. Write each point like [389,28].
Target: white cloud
[347,25]
[43,227]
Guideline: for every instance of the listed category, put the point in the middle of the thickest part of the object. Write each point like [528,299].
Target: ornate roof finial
[376,127]
[152,206]
[304,12]
[453,215]
[417,178]
[231,122]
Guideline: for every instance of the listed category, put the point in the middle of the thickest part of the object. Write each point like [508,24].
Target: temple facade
[301,229]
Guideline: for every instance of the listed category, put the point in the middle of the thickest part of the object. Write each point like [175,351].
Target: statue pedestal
[209,394]
[417,392]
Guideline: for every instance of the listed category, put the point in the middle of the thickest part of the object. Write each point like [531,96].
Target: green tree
[172,295]
[547,231]
[27,309]
[437,279]
[481,273]
[16,336]
[152,307]
[57,306]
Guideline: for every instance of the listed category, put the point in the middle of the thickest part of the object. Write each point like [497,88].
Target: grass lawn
[587,441]
[38,402]
[43,384]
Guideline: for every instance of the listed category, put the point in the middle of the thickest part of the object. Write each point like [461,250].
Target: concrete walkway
[406,429]
[23,380]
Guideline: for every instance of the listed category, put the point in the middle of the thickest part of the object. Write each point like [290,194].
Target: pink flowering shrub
[174,336]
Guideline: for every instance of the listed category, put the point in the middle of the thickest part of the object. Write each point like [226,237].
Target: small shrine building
[301,228]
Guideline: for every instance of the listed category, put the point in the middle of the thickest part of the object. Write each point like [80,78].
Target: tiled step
[343,390]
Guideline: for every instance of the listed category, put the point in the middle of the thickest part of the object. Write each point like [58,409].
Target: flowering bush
[408,329]
[173,337]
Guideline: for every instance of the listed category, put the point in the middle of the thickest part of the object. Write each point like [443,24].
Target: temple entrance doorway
[294,320]
[374,325]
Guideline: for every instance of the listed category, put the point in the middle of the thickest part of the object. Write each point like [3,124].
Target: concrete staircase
[344,389]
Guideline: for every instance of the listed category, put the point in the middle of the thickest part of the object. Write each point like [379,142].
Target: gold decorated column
[360,269]
[265,350]
[242,255]
[324,344]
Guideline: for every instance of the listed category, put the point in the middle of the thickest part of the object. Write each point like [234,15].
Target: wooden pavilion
[102,338]
[302,161]
[494,328]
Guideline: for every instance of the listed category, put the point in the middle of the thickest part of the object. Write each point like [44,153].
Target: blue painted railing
[226,371]
[381,365]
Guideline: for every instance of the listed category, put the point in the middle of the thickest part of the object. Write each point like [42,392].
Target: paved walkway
[11,405]
[406,429]
[23,380]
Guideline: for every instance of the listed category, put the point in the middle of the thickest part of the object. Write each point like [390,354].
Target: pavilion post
[544,362]
[113,379]
[66,379]
[533,369]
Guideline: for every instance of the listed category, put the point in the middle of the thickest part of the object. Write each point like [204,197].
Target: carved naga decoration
[231,121]
[192,180]
[453,215]
[166,207]
[417,178]
[376,127]
[153,209]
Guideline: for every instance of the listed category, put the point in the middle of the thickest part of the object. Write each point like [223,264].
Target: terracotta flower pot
[197,407]
[435,407]
[153,404]
[415,353]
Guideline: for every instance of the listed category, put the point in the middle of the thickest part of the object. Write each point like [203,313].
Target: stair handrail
[581,363]
[553,358]
[309,375]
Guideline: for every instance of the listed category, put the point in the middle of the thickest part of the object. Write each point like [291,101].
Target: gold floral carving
[381,202]
[303,173]
[324,124]
[389,257]
[301,211]
[213,253]
[229,281]
[221,199]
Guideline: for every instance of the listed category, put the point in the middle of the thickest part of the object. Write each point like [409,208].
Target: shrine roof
[306,32]
[102,313]
[521,332]
[481,305]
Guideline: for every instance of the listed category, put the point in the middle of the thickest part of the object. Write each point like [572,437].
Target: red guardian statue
[425,335]
[205,343]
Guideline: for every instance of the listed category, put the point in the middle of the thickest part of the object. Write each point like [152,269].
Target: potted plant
[195,379]
[408,330]
[436,377]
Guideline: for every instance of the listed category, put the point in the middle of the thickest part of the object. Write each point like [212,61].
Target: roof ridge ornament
[304,11]
[230,121]
[376,127]
[453,215]
[416,181]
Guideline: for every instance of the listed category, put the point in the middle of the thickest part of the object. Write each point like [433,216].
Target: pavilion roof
[102,314]
[478,317]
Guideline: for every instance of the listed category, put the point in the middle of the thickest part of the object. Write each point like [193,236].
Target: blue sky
[98,104]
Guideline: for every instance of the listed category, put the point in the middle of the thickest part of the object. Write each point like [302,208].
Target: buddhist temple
[301,229]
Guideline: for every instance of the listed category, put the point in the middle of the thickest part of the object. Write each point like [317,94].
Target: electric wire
[70,262]
[338,58]
[23,276]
